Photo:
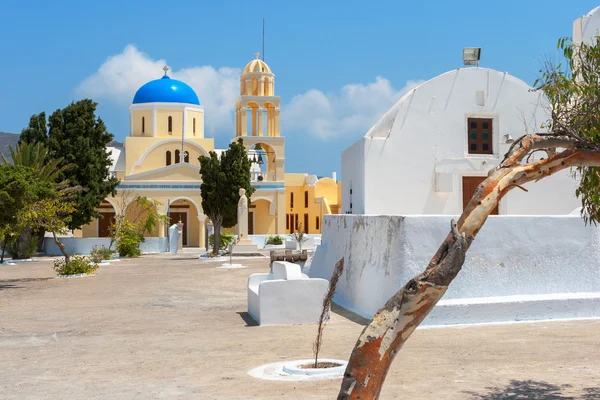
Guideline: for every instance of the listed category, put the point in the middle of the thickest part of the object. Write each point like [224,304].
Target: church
[159,160]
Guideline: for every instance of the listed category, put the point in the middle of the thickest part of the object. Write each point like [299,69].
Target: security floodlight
[471,55]
[508,138]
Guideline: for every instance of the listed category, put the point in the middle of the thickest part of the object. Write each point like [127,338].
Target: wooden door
[180,216]
[105,223]
[469,185]
[250,222]
[305,223]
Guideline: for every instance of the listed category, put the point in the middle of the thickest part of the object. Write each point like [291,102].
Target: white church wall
[535,267]
[353,176]
[416,155]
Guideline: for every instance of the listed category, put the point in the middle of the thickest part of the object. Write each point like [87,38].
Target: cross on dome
[166,69]
[257,54]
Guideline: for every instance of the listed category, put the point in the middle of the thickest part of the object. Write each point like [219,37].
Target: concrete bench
[285,296]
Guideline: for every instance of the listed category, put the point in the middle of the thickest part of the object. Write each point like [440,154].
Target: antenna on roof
[263,39]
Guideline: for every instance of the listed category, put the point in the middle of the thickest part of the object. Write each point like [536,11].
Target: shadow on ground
[247,319]
[534,390]
[4,286]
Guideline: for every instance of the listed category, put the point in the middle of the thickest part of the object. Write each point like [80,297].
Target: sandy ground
[168,327]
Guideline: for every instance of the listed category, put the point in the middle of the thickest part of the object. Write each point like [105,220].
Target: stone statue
[242,215]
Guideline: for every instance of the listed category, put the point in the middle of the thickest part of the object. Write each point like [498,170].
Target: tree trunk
[393,324]
[3,251]
[217,236]
[61,246]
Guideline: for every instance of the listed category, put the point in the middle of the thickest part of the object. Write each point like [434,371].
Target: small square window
[485,136]
[473,135]
[473,146]
[486,147]
[485,125]
[473,125]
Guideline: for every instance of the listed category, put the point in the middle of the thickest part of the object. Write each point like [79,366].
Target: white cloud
[121,75]
[353,111]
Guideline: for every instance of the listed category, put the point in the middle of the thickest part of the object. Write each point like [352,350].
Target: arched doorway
[262,217]
[104,224]
[186,211]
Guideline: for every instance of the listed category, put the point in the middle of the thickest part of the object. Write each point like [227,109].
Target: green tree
[36,131]
[222,179]
[19,189]
[77,137]
[572,141]
[36,156]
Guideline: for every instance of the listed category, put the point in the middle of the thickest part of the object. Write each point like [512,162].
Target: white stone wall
[587,28]
[412,161]
[85,245]
[511,256]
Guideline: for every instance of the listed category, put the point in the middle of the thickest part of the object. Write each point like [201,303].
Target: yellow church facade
[159,160]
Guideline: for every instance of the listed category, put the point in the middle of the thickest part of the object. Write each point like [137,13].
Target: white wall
[424,136]
[512,256]
[85,245]
[353,176]
[586,28]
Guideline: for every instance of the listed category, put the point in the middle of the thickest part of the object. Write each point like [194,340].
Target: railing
[262,176]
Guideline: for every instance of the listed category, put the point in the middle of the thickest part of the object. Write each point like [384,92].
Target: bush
[129,245]
[25,245]
[100,254]
[77,265]
[226,239]
[274,240]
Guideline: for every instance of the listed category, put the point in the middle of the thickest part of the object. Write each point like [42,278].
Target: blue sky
[338,65]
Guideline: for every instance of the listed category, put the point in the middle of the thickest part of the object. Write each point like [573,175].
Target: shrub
[129,245]
[100,254]
[25,245]
[77,265]
[129,240]
[274,240]
[226,239]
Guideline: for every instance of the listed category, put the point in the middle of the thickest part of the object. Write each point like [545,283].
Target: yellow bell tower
[257,108]
[257,123]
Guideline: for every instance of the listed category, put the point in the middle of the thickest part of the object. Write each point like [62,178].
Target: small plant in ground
[76,265]
[335,277]
[226,239]
[99,254]
[299,236]
[129,240]
[274,239]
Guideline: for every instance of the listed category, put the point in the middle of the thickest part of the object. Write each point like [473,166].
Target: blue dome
[166,90]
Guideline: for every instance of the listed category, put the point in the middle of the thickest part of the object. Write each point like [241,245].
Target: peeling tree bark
[392,325]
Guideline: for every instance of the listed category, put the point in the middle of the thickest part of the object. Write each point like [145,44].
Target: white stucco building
[429,152]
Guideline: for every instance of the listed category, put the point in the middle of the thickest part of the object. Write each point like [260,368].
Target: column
[237,123]
[254,116]
[261,86]
[202,233]
[244,121]
[153,121]
[276,131]
[249,87]
[161,226]
[270,121]
[260,111]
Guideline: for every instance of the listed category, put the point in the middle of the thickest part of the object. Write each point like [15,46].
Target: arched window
[143,125]
[194,126]
[168,158]
[292,200]
[171,125]
[186,157]
[177,157]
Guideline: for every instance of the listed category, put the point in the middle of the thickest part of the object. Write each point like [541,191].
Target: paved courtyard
[170,327]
